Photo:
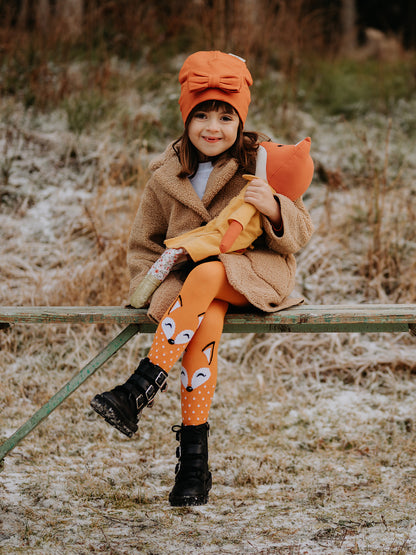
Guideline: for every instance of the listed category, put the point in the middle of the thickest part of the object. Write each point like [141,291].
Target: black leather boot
[122,406]
[193,479]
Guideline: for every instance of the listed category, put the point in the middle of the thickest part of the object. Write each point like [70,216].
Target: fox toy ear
[288,169]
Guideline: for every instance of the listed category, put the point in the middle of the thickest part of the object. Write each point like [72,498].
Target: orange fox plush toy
[288,169]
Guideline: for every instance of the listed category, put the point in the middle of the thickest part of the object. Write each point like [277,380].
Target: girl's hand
[260,195]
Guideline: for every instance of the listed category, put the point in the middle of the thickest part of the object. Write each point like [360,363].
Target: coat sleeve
[147,234]
[297,227]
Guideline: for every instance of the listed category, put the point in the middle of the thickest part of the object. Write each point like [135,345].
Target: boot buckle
[161,378]
[140,401]
[150,393]
[151,390]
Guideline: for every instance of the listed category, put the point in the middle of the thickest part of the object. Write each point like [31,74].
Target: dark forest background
[258,27]
[345,53]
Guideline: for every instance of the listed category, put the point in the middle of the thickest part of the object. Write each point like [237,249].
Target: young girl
[190,184]
[288,169]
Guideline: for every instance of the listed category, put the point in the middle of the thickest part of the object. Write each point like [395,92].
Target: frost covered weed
[313,436]
[84,110]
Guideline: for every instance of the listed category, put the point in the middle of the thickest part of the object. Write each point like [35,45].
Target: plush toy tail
[230,235]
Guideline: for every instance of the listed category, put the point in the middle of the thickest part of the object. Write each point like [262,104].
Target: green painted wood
[73,315]
[303,318]
[358,327]
[330,318]
[68,389]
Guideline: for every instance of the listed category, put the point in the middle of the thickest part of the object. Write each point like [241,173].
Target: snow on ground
[313,436]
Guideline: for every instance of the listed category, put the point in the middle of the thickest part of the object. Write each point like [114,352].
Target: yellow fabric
[205,241]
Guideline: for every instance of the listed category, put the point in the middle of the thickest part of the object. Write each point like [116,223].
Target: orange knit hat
[214,75]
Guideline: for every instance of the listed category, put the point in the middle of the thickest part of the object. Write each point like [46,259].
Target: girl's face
[212,132]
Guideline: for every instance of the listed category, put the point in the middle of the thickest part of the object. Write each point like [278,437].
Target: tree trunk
[23,14]
[42,16]
[70,14]
[348,26]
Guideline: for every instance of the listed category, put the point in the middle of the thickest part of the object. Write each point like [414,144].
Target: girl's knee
[215,314]
[208,273]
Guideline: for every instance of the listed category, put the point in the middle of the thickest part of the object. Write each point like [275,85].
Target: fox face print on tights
[173,334]
[198,385]
[172,328]
[198,376]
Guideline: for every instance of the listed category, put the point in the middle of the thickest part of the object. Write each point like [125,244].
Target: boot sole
[111,415]
[188,501]
[191,501]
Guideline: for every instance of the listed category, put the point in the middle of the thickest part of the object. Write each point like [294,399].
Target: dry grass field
[313,437]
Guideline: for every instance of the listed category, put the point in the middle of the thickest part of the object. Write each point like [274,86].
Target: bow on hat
[199,81]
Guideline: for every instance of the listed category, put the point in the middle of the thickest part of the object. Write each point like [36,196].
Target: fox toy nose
[189,388]
[171,341]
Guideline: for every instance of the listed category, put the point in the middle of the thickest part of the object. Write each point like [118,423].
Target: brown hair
[244,149]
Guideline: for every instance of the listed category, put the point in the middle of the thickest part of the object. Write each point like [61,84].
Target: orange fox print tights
[194,324]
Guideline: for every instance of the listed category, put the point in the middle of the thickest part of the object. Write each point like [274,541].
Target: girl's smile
[213,132]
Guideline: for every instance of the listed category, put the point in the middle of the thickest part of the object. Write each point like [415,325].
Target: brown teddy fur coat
[265,275]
